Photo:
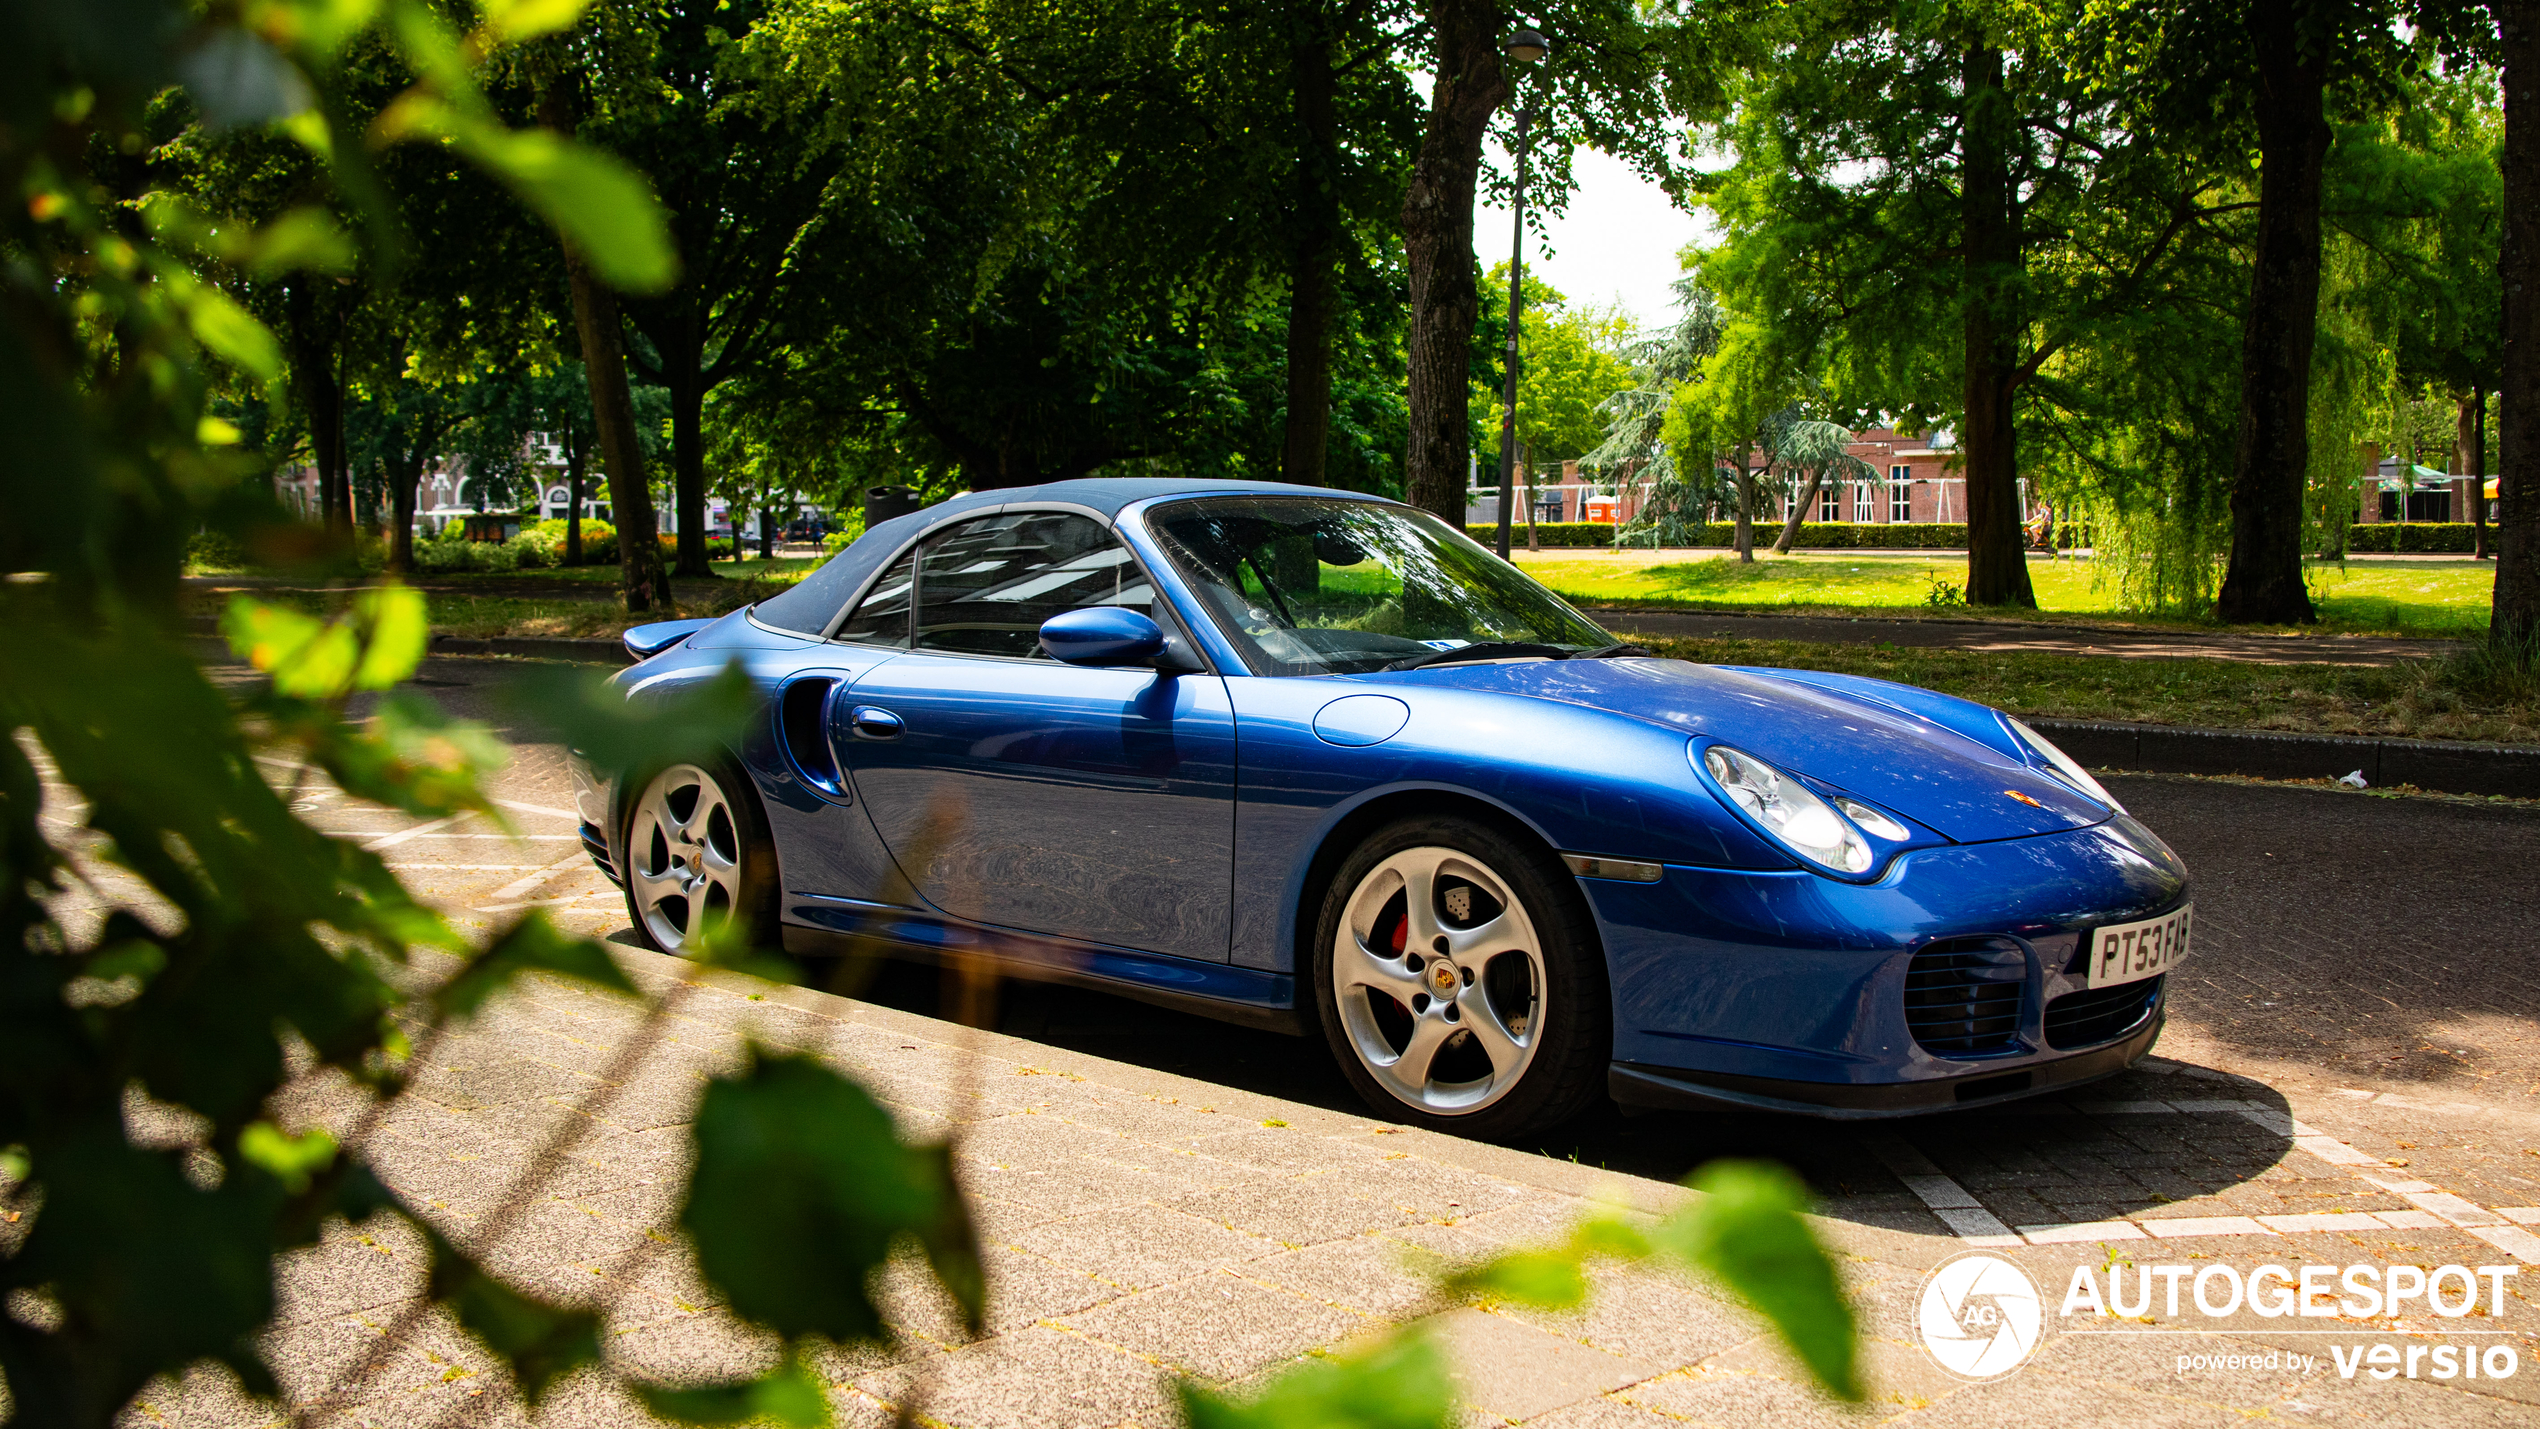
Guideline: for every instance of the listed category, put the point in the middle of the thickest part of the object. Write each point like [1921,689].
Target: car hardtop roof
[809,606]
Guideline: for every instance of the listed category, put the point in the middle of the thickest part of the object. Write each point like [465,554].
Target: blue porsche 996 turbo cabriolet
[1312,760]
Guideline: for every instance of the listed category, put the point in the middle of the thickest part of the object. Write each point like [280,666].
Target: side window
[984,587]
[881,618]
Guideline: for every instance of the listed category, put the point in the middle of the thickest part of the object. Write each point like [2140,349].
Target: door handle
[872,722]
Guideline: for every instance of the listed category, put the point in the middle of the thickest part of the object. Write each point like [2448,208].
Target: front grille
[1963,996]
[2101,1014]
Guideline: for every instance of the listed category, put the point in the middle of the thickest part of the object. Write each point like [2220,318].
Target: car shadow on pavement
[2111,1150]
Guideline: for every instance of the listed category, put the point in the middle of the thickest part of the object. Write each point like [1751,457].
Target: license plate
[2131,952]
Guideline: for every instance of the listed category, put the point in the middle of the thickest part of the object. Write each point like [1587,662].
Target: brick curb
[2451,768]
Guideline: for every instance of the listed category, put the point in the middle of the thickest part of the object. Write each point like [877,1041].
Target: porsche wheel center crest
[1442,978]
[1980,1316]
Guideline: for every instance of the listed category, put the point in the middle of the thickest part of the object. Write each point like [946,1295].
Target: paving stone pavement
[1142,1224]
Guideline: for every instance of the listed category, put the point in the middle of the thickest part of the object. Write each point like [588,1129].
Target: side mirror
[1102,635]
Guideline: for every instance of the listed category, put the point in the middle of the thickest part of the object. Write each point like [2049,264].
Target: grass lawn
[2386,598]
[2417,700]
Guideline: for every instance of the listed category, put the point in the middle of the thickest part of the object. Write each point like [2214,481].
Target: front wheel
[1460,982]
[697,854]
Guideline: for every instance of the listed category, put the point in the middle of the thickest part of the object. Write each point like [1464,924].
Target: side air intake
[2100,1014]
[802,724]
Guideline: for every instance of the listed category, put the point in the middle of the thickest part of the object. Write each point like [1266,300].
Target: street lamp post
[1524,47]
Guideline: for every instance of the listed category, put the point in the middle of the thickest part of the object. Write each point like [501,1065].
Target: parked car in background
[1316,761]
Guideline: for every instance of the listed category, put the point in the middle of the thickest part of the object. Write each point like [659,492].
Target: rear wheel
[697,853]
[1459,980]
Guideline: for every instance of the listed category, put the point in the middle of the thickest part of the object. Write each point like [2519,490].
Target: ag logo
[1980,1316]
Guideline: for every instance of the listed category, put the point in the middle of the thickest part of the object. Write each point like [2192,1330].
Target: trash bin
[881,503]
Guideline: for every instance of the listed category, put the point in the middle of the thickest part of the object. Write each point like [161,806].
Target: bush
[599,543]
[1814,535]
[214,551]
[2386,536]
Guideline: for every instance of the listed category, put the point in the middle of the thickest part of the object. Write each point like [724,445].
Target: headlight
[2063,764]
[1788,810]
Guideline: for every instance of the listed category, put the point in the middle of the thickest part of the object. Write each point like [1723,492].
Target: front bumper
[1788,991]
[591,803]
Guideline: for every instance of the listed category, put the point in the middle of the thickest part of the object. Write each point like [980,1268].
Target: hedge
[2413,536]
[1917,535]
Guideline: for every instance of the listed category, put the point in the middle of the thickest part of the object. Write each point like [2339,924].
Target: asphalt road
[2375,943]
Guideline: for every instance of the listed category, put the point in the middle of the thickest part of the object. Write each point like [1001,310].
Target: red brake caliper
[1401,932]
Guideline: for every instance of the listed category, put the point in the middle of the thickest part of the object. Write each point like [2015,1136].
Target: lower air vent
[1963,996]
[2102,1014]
[806,734]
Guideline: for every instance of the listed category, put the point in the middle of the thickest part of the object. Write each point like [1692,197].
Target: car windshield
[1308,587]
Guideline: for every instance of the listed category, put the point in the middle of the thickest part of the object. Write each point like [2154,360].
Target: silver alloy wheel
[1435,960]
[684,855]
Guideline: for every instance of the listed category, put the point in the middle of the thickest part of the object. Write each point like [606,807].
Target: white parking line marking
[519,886]
[1965,1216]
[418,831]
[2082,1231]
[539,809]
[2177,1226]
[2436,1209]
[465,867]
[2521,1244]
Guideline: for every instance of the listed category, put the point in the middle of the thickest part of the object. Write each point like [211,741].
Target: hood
[1954,785]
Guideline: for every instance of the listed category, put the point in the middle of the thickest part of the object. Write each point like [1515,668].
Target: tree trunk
[1313,277]
[573,463]
[405,474]
[314,340]
[2469,458]
[1799,510]
[2517,611]
[1437,234]
[683,367]
[767,521]
[1745,504]
[1997,566]
[2271,465]
[603,334]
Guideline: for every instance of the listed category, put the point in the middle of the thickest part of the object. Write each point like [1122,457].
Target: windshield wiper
[1613,652]
[1487,650]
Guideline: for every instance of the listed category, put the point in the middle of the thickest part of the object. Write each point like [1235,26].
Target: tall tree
[1940,199]
[2516,621]
[644,582]
[746,200]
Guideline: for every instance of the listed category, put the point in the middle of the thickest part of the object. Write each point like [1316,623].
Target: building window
[1900,499]
[1865,506]
[1830,502]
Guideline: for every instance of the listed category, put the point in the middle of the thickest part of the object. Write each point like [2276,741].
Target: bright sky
[1616,243]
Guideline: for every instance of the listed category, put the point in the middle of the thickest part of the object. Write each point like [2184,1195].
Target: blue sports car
[1310,760]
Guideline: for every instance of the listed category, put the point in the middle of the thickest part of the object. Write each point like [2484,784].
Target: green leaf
[600,204]
[1746,1230]
[515,20]
[1398,1383]
[532,945]
[801,1189]
[541,1342]
[308,658]
[1548,1278]
[228,331]
[622,737]
[398,629]
[291,1159]
[303,239]
[789,1395]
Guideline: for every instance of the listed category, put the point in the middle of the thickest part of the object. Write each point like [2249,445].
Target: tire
[1510,1030]
[697,850]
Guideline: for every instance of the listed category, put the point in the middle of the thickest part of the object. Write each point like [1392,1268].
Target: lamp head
[1526,47]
